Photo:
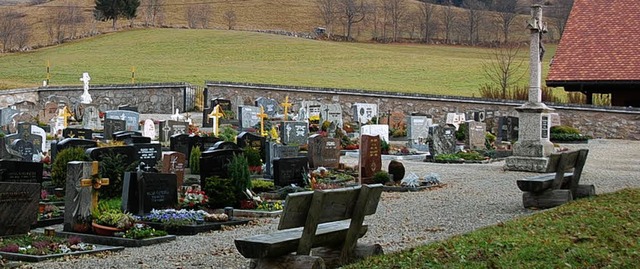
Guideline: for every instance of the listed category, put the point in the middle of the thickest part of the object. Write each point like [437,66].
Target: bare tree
[448,20]
[192,16]
[395,10]
[153,12]
[9,21]
[504,68]
[353,12]
[475,16]
[328,10]
[199,15]
[229,17]
[206,13]
[560,13]
[428,22]
[507,12]
[63,22]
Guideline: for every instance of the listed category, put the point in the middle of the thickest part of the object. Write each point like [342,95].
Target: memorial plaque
[18,207]
[323,151]
[370,157]
[174,162]
[294,132]
[149,155]
[131,118]
[17,171]
[77,133]
[288,171]
[112,126]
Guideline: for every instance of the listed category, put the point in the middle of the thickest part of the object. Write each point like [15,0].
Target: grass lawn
[195,56]
[600,232]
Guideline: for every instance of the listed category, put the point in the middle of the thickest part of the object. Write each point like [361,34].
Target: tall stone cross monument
[533,146]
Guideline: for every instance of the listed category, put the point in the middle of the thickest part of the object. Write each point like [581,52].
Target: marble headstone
[323,151]
[271,107]
[131,118]
[443,139]
[331,113]
[77,200]
[381,130]
[363,113]
[294,132]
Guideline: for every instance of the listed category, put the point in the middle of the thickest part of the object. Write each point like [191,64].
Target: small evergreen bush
[222,192]
[59,167]
[194,160]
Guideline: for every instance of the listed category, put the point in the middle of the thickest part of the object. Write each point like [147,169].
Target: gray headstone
[18,207]
[443,139]
[24,148]
[376,129]
[363,113]
[309,110]
[323,151]
[331,113]
[170,128]
[271,107]
[131,118]
[91,118]
[77,200]
[248,116]
[475,136]
[276,151]
[294,132]
[112,126]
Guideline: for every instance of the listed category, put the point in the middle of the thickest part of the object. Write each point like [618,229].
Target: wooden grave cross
[216,114]
[286,105]
[262,116]
[95,182]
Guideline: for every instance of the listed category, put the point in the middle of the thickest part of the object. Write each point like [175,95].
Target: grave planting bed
[119,241]
[410,189]
[16,256]
[193,229]
[47,222]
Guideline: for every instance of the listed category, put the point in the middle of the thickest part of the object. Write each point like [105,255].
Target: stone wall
[149,98]
[599,122]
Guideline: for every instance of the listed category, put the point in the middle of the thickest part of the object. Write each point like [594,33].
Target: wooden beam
[547,199]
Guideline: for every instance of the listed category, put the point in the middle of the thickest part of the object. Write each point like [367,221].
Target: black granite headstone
[255,141]
[17,171]
[169,128]
[148,154]
[224,145]
[215,163]
[157,191]
[96,154]
[287,171]
[24,148]
[18,207]
[77,133]
[113,125]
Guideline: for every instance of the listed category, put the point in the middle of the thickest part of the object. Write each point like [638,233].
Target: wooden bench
[331,221]
[561,185]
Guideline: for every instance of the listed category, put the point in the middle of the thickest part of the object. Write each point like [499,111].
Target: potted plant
[109,222]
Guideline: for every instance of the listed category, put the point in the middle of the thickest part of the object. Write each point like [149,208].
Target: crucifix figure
[95,182]
[86,97]
[262,116]
[286,105]
[216,114]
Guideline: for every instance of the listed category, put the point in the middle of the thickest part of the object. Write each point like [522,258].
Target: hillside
[162,55]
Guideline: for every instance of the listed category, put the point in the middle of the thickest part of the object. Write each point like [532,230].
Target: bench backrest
[565,161]
[334,205]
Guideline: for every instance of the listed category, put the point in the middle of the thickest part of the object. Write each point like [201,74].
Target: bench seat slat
[283,242]
[539,183]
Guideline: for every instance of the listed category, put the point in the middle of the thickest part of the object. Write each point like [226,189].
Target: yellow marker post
[133,75]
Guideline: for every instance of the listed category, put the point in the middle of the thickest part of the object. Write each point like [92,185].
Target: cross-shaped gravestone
[86,97]
[286,105]
[64,114]
[216,114]
[262,116]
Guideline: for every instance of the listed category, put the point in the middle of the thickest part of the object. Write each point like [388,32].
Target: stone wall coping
[418,96]
[117,86]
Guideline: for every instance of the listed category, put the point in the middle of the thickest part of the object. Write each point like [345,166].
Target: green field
[195,56]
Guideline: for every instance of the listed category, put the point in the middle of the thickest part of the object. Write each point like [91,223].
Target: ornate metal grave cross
[262,116]
[286,105]
[95,182]
[216,114]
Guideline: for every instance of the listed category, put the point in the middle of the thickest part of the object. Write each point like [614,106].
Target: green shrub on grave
[253,156]
[238,170]
[194,160]
[59,167]
[222,192]
[259,186]
[113,166]
[564,129]
[381,177]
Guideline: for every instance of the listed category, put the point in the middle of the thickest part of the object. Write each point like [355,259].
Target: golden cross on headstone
[217,114]
[262,116]
[95,182]
[286,105]
[65,113]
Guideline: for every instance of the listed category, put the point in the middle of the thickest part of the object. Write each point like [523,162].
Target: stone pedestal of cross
[95,182]
[286,105]
[533,146]
[262,116]
[216,114]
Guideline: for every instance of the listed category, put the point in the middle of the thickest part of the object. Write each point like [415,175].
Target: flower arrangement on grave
[172,218]
[142,231]
[193,198]
[35,244]
[270,206]
[50,211]
[323,178]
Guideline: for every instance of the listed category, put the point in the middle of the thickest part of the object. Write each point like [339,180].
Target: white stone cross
[86,97]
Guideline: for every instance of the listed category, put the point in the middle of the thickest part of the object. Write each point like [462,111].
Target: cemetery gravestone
[246,139]
[149,129]
[418,132]
[128,108]
[554,119]
[363,113]
[323,151]
[248,116]
[294,132]
[397,120]
[129,152]
[148,154]
[309,110]
[180,143]
[143,192]
[332,113]
[271,107]
[370,157]
[508,128]
[112,126]
[131,118]
[224,145]
[475,136]
[24,132]
[225,105]
[275,151]
[25,149]
[288,171]
[42,134]
[77,133]
[77,200]
[49,112]
[18,207]
[17,171]
[381,130]
[170,128]
[174,162]
[215,163]
[455,119]
[91,118]
[443,140]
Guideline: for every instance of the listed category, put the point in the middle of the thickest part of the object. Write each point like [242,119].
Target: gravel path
[475,195]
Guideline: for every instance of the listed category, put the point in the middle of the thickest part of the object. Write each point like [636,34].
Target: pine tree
[113,9]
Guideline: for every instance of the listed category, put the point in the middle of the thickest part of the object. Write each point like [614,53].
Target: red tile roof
[601,43]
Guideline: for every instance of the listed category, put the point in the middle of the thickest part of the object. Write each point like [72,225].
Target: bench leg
[332,256]
[546,199]
[585,191]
